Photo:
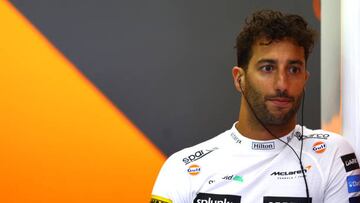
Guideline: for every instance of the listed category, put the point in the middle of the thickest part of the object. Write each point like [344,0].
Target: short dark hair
[272,26]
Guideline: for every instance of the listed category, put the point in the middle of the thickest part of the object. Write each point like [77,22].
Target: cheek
[262,86]
[255,89]
[298,88]
[296,93]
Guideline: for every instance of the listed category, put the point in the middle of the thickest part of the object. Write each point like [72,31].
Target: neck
[250,127]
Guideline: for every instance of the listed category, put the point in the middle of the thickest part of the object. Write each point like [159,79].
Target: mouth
[280,102]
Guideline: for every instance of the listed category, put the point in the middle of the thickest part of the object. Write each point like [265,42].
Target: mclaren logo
[290,174]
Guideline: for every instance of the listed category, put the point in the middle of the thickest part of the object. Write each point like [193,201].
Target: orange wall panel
[61,140]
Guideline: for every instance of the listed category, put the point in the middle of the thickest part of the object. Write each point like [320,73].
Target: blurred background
[96,94]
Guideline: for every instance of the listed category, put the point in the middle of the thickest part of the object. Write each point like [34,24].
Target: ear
[238,77]
[306,78]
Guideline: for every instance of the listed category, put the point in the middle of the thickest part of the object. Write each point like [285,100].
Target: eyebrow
[266,61]
[272,61]
[296,62]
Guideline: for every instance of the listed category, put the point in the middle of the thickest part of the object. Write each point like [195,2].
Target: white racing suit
[231,168]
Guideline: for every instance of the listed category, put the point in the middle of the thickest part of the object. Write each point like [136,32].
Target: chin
[281,119]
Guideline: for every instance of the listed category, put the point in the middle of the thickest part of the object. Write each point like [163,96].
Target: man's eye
[294,69]
[267,68]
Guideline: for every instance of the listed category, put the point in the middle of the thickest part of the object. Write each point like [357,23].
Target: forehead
[279,50]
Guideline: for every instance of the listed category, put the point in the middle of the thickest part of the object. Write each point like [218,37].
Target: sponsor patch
[235,138]
[216,198]
[198,155]
[354,199]
[158,199]
[312,136]
[263,145]
[211,181]
[292,174]
[235,178]
[350,162]
[353,183]
[193,170]
[319,147]
[238,179]
[286,200]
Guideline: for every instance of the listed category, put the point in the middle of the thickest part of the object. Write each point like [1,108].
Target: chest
[257,178]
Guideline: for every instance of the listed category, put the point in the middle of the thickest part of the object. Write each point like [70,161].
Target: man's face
[275,79]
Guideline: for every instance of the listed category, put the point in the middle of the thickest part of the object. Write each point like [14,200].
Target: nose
[281,81]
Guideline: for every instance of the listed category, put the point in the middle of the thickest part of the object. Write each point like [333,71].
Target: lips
[280,101]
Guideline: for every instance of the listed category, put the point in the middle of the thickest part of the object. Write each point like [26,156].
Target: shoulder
[331,138]
[203,151]
[336,163]
[322,140]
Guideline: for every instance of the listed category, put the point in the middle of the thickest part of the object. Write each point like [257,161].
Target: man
[265,156]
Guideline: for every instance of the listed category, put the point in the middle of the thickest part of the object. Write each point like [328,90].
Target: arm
[344,179]
[172,184]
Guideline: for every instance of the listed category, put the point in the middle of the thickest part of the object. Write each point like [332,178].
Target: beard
[258,106]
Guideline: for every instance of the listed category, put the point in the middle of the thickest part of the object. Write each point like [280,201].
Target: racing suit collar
[260,145]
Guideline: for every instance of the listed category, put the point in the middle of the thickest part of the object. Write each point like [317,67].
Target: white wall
[350,63]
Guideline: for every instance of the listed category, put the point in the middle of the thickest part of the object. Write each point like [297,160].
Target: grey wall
[165,64]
